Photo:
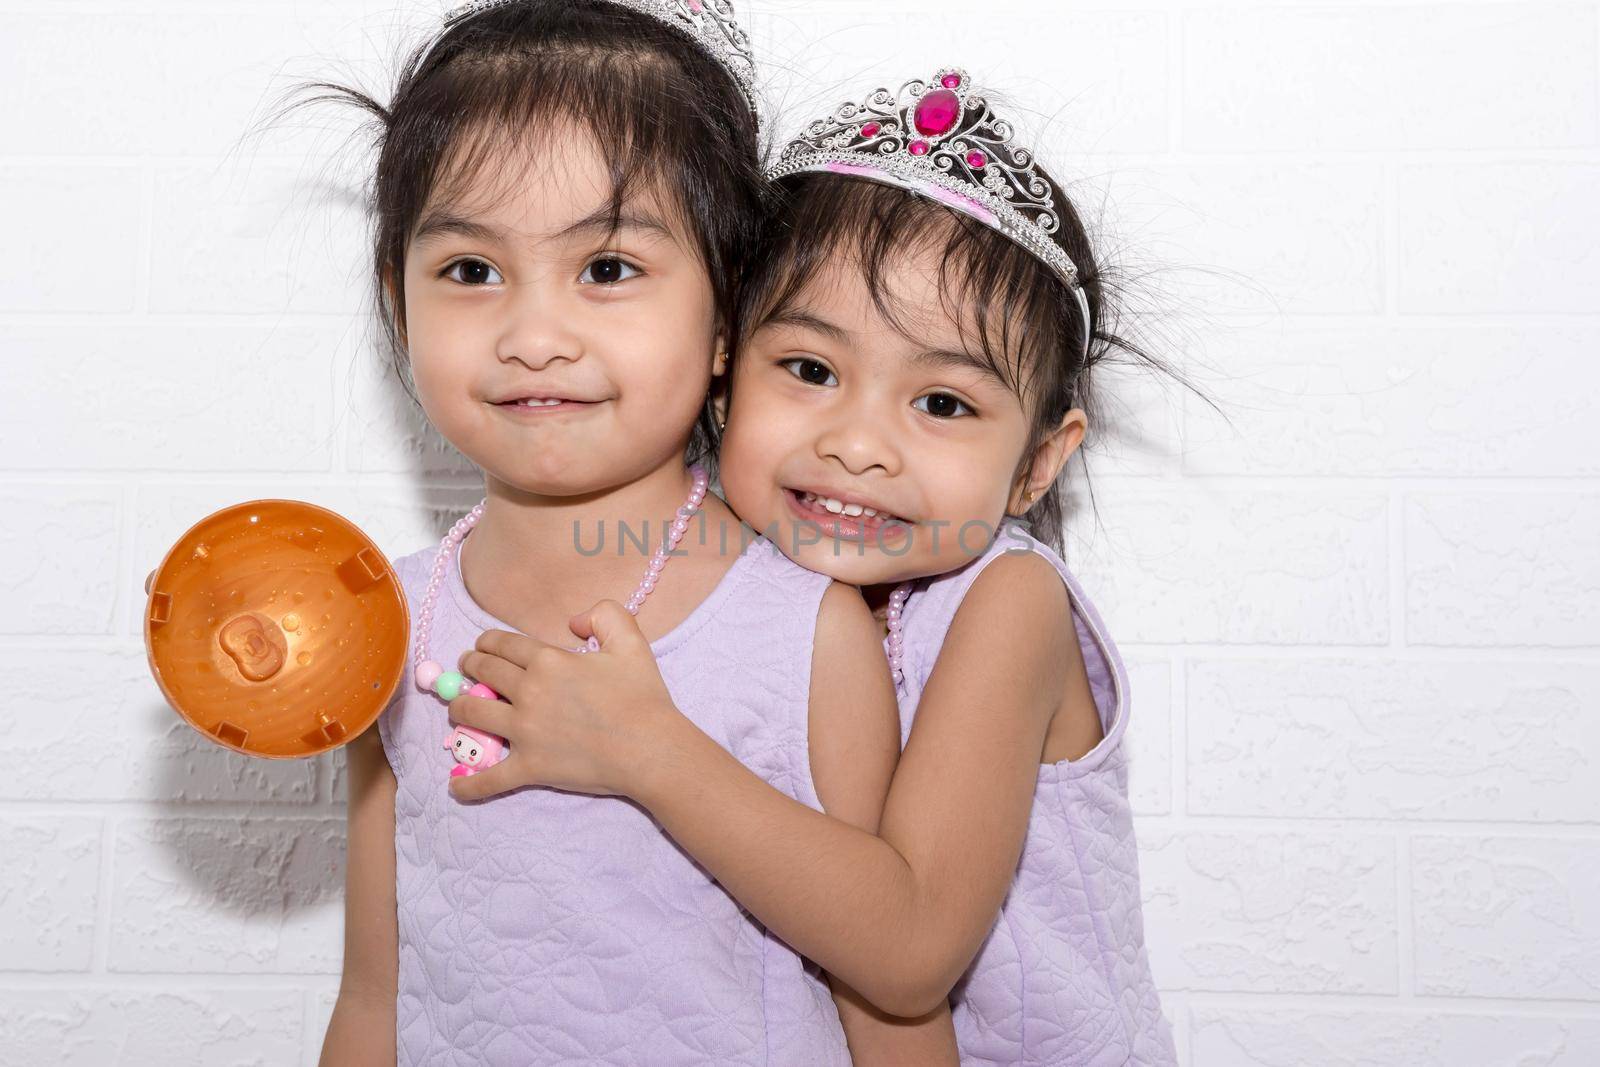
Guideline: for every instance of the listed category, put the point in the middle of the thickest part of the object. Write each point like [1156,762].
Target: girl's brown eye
[809,371]
[609,270]
[472,272]
[944,406]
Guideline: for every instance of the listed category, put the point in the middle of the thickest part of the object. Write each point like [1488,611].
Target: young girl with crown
[912,371]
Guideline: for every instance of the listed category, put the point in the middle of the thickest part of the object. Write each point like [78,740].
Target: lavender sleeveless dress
[543,927]
[1062,977]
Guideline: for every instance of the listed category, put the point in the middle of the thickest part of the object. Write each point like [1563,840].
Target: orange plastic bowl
[277,628]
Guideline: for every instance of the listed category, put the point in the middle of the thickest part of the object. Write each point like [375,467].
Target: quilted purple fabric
[543,927]
[1063,977]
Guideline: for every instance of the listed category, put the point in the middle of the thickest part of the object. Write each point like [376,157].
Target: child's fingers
[491,670]
[610,622]
[485,783]
[513,648]
[490,716]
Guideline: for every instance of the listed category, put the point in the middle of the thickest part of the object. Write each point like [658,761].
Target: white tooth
[852,510]
[832,505]
[869,513]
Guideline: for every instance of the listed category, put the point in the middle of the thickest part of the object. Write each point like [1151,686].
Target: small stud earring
[1030,496]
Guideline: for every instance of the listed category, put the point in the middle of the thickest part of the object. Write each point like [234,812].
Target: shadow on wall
[202,888]
[241,868]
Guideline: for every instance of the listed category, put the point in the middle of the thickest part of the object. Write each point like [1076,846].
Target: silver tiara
[709,23]
[939,139]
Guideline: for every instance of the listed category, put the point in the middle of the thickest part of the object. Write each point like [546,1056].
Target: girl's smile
[545,407]
[847,517]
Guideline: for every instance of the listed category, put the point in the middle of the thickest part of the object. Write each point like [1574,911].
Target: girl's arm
[362,1030]
[854,741]
[898,916]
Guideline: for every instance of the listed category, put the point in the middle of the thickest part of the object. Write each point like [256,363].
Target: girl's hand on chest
[584,722]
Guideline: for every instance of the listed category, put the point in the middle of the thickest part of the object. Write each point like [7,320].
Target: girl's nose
[536,331]
[860,441]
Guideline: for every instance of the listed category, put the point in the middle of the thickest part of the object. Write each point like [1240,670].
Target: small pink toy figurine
[474,750]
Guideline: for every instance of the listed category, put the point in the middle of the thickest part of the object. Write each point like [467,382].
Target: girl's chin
[843,560]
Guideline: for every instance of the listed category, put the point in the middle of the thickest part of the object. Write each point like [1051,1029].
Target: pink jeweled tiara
[710,23]
[941,140]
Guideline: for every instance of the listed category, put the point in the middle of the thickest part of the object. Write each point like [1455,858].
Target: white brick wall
[1363,614]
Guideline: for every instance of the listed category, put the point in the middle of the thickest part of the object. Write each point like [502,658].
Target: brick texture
[1361,604]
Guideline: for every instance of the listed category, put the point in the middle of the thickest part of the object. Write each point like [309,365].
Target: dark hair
[1014,310]
[662,111]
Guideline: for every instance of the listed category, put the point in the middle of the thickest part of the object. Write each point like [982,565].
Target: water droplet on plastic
[304,659]
[291,622]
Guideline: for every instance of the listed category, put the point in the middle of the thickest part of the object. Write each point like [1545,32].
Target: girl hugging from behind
[912,371]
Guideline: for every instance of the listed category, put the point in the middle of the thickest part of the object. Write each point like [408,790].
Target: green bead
[449,685]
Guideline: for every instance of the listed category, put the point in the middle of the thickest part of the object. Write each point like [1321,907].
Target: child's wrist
[667,756]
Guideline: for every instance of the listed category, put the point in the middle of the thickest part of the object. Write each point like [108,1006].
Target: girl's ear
[719,361]
[1051,455]
[720,392]
[719,384]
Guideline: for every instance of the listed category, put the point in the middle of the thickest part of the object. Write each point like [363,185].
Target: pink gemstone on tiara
[976,160]
[951,81]
[937,112]
[918,148]
[870,129]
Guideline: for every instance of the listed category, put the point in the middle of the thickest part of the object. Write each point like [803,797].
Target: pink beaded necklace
[897,604]
[476,750]
[448,685]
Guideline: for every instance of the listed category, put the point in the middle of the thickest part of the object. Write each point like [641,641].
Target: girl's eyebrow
[956,358]
[804,319]
[441,222]
[801,319]
[438,224]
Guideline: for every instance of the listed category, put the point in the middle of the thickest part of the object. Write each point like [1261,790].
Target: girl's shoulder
[413,568]
[935,600]
[763,561]
[763,600]
[1022,565]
